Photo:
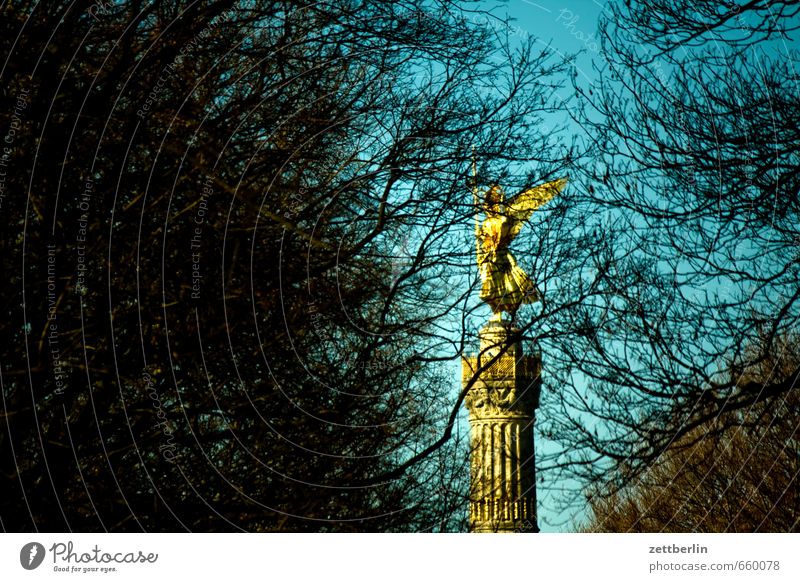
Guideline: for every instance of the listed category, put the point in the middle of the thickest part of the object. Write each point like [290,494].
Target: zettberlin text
[673,549]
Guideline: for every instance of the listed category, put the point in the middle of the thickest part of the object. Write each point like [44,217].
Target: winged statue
[504,285]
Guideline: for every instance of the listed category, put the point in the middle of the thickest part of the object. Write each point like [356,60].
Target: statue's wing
[521,206]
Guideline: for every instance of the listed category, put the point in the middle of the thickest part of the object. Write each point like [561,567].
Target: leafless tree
[737,473]
[694,123]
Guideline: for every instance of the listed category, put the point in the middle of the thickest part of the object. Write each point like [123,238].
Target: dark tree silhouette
[237,248]
[737,473]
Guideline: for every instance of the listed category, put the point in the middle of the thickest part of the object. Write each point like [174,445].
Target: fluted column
[502,403]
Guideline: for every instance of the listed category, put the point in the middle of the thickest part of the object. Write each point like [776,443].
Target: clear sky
[568,26]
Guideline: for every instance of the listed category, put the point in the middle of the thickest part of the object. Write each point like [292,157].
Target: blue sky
[568,26]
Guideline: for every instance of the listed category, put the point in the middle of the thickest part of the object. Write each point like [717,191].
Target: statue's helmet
[495,196]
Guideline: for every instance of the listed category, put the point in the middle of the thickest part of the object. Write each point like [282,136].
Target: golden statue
[505,286]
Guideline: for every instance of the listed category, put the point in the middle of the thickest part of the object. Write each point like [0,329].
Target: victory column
[503,399]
